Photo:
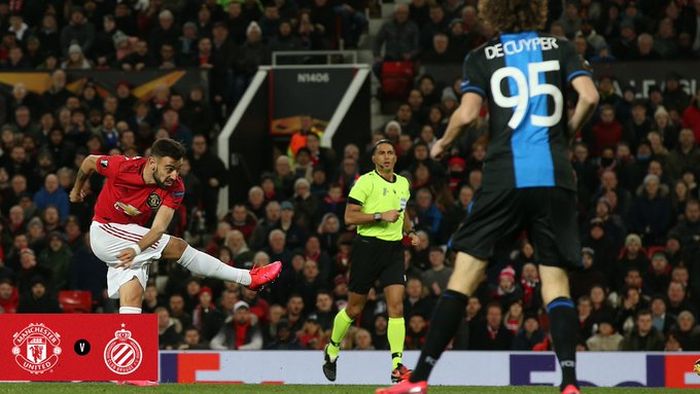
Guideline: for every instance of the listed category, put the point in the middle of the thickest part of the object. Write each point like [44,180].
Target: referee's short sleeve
[360,191]
[472,75]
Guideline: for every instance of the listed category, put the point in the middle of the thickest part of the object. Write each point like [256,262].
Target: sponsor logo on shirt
[127,208]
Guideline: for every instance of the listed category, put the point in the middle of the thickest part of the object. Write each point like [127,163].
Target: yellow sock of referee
[396,332]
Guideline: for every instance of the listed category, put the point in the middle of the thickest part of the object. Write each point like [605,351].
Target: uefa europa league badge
[123,354]
[36,348]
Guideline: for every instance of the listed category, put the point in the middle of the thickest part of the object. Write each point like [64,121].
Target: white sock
[202,264]
[129,310]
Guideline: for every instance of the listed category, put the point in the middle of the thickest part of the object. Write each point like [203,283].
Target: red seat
[75,301]
[397,79]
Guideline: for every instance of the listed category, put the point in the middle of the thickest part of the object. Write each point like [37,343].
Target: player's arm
[408,228]
[588,98]
[87,167]
[355,216]
[160,224]
[464,116]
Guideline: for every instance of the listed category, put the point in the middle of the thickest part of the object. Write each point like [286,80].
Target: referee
[377,205]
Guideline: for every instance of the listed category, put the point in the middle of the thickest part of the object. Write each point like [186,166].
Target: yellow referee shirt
[376,194]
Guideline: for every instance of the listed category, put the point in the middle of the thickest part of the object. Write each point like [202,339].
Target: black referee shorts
[547,213]
[374,259]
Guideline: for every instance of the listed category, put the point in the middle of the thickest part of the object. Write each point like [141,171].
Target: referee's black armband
[354,201]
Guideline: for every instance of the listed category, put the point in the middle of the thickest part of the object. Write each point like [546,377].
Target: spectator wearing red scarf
[239,332]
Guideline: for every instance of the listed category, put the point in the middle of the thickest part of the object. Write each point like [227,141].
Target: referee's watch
[377,217]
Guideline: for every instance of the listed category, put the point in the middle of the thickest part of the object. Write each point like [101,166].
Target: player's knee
[178,246]
[353,311]
[395,309]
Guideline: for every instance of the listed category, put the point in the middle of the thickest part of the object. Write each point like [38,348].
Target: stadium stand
[637,164]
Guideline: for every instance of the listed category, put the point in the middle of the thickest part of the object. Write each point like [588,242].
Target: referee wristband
[136,248]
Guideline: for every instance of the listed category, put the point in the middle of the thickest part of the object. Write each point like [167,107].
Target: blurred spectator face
[475,178]
[240,213]
[193,288]
[401,13]
[437,258]
[417,323]
[177,304]
[581,45]
[349,166]
[222,228]
[607,116]
[380,324]
[440,43]
[241,315]
[351,151]
[680,275]
[531,325]
[310,270]
[437,14]
[584,307]
[686,138]
[256,196]
[363,340]
[235,240]
[651,186]
[204,46]
[295,305]
[273,211]
[597,295]
[466,195]
[422,177]
[48,23]
[163,319]
[692,212]
[414,288]
[404,114]
[658,307]
[639,113]
[605,329]
[254,35]
[324,302]
[38,290]
[529,272]
[228,300]
[494,317]
[192,337]
[473,306]
[644,323]
[298,261]
[51,183]
[415,99]
[27,259]
[22,116]
[77,18]
[287,215]
[5,291]
[51,216]
[15,55]
[659,264]
[686,321]
[275,313]
[225,256]
[609,180]
[18,184]
[633,279]
[676,293]
[277,240]
[16,215]
[151,294]
[645,44]
[282,166]
[20,242]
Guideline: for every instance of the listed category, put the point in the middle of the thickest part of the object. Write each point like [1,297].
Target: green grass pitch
[96,388]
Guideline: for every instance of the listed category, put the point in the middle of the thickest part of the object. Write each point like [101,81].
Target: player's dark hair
[168,148]
[514,15]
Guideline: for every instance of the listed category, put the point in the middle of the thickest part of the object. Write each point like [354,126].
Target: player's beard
[160,183]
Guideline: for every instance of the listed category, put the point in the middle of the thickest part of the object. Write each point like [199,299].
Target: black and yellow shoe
[329,367]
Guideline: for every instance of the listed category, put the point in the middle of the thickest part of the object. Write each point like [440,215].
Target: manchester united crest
[36,348]
[154,200]
[123,354]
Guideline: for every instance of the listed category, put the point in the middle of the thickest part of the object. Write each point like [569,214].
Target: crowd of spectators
[637,163]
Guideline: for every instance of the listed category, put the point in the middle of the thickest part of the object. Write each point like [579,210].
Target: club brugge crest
[153,200]
[36,348]
[123,354]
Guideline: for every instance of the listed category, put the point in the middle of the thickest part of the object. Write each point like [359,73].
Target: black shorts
[373,259]
[547,213]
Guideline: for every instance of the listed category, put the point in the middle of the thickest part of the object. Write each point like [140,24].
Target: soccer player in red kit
[135,190]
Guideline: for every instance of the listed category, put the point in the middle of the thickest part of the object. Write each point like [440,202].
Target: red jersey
[125,197]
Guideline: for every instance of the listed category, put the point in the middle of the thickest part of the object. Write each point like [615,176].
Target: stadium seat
[397,79]
[75,301]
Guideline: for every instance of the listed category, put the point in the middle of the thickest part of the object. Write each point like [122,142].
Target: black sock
[564,326]
[448,313]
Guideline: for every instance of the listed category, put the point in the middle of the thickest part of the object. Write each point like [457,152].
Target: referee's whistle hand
[390,216]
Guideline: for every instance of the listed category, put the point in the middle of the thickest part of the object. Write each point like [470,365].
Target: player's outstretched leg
[563,323]
[201,263]
[447,315]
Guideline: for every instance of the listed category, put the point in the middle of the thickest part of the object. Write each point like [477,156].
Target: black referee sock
[443,326]
[563,327]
